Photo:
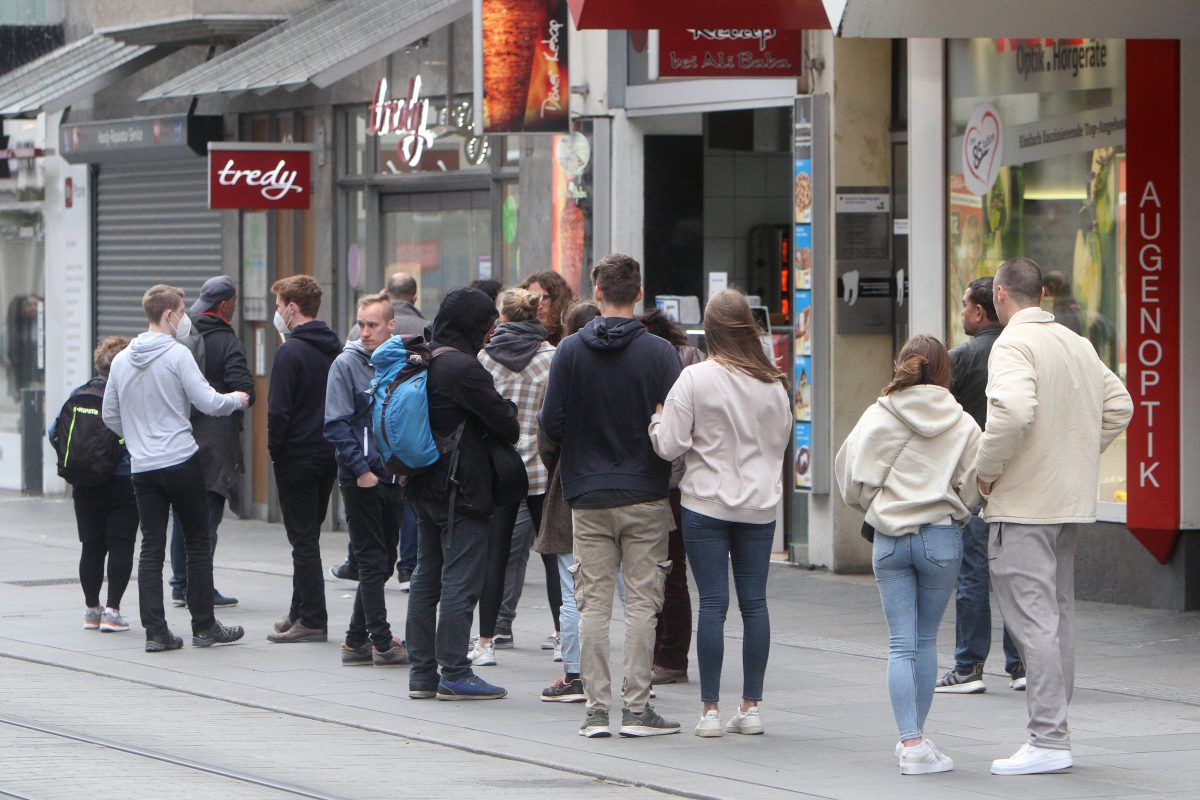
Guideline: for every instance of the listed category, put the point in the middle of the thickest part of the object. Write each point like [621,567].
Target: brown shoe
[659,675]
[394,656]
[356,656]
[285,624]
[299,633]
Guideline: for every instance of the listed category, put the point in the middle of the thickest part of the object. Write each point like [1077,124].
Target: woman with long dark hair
[554,298]
[909,464]
[730,419]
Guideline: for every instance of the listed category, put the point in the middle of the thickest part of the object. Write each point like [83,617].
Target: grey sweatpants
[1033,575]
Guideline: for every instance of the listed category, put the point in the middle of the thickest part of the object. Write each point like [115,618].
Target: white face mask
[184,328]
[281,325]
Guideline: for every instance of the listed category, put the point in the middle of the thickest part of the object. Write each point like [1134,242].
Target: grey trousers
[514,576]
[1033,576]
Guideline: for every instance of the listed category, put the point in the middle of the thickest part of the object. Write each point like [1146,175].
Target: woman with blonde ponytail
[909,464]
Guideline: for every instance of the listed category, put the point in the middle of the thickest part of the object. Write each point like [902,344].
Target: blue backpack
[400,406]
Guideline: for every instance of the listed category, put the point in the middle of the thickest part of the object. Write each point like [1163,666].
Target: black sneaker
[564,691]
[217,634]
[404,578]
[160,642]
[595,725]
[955,682]
[1017,678]
[221,601]
[646,723]
[422,691]
[178,597]
[343,572]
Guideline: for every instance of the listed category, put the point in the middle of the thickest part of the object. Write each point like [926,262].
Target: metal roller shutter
[153,225]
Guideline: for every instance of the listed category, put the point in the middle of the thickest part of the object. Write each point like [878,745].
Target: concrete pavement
[1135,718]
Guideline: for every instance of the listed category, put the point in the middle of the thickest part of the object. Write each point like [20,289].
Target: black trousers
[373,516]
[673,636]
[305,483]
[498,548]
[107,518]
[158,492]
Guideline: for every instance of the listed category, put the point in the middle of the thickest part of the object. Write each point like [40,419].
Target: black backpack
[88,452]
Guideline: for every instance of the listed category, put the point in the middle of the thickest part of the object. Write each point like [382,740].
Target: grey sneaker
[112,621]
[647,723]
[217,634]
[92,617]
[595,725]
[955,682]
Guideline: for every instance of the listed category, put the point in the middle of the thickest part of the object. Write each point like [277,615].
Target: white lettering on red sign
[273,184]
[1150,351]
[761,35]
[408,117]
[553,101]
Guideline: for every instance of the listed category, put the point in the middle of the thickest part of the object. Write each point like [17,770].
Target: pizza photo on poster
[523,47]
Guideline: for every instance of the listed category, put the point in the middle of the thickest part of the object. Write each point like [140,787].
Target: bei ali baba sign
[259,176]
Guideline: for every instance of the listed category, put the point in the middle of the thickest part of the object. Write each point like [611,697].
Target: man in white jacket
[148,400]
[1053,407]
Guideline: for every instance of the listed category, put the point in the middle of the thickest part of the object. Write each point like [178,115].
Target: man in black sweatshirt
[604,385]
[304,466]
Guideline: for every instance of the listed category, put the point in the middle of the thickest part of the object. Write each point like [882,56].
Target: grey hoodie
[347,420]
[151,389]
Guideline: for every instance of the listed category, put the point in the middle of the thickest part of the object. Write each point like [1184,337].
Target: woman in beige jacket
[908,465]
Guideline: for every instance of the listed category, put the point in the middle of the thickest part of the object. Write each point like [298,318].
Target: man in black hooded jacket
[451,556]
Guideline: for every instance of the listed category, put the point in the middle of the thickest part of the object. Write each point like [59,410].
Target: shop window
[1037,168]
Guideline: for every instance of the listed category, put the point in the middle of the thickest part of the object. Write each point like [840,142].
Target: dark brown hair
[733,337]
[661,326]
[301,290]
[105,353]
[1021,278]
[578,315]
[922,360]
[561,298]
[619,278]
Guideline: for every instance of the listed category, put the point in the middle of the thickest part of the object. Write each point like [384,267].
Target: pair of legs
[673,636]
[568,615]
[408,543]
[524,532]
[915,574]
[711,545]
[1033,570]
[107,518]
[633,538]
[499,550]
[973,608]
[445,588]
[159,492]
[373,517]
[304,487]
[179,554]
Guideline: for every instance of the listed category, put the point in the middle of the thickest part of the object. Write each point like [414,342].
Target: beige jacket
[908,461]
[1052,409]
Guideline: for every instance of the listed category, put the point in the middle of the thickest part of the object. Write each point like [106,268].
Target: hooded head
[465,317]
[611,333]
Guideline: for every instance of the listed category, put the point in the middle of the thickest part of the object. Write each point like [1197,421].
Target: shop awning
[1021,19]
[71,73]
[195,29]
[657,14]
[320,46]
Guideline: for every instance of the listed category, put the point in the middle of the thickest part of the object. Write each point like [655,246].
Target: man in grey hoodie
[151,390]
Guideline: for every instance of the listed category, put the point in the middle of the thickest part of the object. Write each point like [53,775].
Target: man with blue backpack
[371,493]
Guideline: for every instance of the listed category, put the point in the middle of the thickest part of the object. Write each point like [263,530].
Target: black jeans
[408,542]
[158,492]
[449,573]
[178,550]
[499,547]
[373,517]
[304,485]
[107,518]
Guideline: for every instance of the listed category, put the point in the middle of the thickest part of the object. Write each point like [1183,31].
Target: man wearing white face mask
[152,387]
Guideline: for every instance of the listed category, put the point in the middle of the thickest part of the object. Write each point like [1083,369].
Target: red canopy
[658,14]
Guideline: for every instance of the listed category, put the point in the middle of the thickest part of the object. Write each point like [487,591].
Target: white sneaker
[483,655]
[550,642]
[1017,684]
[1031,760]
[924,759]
[557,653]
[748,722]
[709,725]
[112,621]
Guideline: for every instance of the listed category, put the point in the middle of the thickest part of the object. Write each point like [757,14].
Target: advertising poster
[726,53]
[803,318]
[803,451]
[966,234]
[521,66]
[572,155]
[802,257]
[803,389]
[803,195]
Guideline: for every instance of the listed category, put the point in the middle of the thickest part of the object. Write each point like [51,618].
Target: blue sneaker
[470,688]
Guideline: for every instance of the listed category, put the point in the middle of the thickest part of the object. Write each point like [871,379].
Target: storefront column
[926,187]
[628,208]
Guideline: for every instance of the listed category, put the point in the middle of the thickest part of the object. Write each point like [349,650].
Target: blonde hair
[518,305]
[105,353]
[733,340]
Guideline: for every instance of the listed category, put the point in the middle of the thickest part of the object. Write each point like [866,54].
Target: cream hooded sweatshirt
[910,461]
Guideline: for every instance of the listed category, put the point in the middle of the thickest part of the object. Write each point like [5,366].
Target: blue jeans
[711,544]
[408,542]
[915,573]
[568,616]
[973,609]
[216,513]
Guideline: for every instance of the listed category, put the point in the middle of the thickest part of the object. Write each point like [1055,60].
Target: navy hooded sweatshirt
[296,395]
[604,384]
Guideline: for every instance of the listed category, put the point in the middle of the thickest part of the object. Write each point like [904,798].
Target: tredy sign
[259,176]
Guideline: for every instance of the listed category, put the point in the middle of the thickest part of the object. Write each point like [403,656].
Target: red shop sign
[729,53]
[1152,286]
[259,176]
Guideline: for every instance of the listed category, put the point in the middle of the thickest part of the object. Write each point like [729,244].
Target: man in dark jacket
[371,493]
[453,546]
[303,458]
[220,356]
[972,606]
[605,382]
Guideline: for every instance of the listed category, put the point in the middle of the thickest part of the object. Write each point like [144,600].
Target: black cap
[214,291]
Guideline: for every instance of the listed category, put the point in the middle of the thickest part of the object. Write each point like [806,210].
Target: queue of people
[680,461]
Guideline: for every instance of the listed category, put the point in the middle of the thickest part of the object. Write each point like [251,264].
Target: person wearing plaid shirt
[518,357]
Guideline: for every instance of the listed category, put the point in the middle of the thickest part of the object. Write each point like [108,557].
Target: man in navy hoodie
[604,385]
[304,466]
[370,492]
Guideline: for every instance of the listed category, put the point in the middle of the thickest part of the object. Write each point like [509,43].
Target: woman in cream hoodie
[908,464]
[730,419]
